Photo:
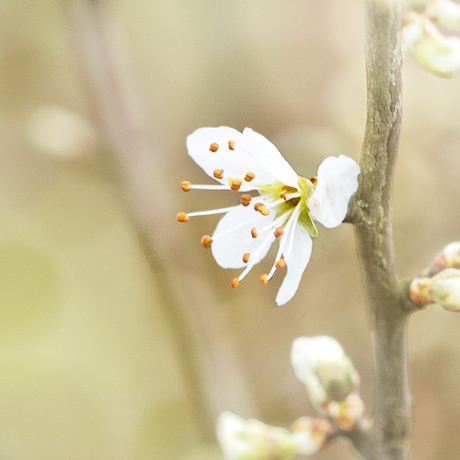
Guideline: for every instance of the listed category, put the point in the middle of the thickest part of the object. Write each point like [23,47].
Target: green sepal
[306,189]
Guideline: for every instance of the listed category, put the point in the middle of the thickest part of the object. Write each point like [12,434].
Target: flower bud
[326,371]
[242,439]
[347,413]
[446,13]
[445,289]
[419,291]
[310,434]
[448,258]
[433,51]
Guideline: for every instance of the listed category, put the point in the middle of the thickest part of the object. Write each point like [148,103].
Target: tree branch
[388,302]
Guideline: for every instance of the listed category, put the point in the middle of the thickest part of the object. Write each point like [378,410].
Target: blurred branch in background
[138,170]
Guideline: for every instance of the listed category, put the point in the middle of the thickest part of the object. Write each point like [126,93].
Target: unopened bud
[448,258]
[347,413]
[310,434]
[446,13]
[242,439]
[419,291]
[326,371]
[445,289]
[433,51]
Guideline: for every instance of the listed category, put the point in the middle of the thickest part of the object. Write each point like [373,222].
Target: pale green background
[89,368]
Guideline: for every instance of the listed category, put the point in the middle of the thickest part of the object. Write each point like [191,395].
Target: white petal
[337,182]
[270,156]
[235,163]
[228,249]
[296,261]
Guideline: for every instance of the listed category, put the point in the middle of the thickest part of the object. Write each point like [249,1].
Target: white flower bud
[310,434]
[419,291]
[347,413]
[452,255]
[446,13]
[242,439]
[433,51]
[321,364]
[445,289]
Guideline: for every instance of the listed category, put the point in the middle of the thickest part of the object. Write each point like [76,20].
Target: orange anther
[263,278]
[182,217]
[262,209]
[185,186]
[249,176]
[313,180]
[246,258]
[214,147]
[234,283]
[283,194]
[280,264]
[235,185]
[206,241]
[278,231]
[218,173]
[245,200]
[254,232]
[231,145]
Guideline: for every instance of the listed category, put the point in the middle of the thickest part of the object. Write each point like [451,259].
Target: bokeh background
[96,361]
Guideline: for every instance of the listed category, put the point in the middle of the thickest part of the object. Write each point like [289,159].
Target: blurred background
[107,355]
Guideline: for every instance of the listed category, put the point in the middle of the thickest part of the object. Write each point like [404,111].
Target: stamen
[206,241]
[210,212]
[249,176]
[263,278]
[262,209]
[245,200]
[235,185]
[283,194]
[254,232]
[278,232]
[231,145]
[246,258]
[214,147]
[280,264]
[234,283]
[218,173]
[182,217]
[207,187]
[255,256]
[185,186]
[314,180]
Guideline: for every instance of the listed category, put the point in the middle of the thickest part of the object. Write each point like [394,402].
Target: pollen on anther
[206,241]
[263,278]
[249,176]
[254,232]
[262,209]
[185,186]
[278,231]
[231,145]
[182,217]
[280,263]
[214,147]
[245,200]
[313,180]
[283,194]
[234,283]
[246,258]
[235,185]
[218,173]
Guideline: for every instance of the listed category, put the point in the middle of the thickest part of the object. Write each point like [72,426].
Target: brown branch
[388,301]
[137,171]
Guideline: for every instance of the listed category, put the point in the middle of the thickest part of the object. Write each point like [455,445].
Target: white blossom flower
[242,439]
[446,13]
[284,208]
[432,50]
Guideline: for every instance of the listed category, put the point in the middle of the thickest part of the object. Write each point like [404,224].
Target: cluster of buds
[441,283]
[433,51]
[251,439]
[332,384]
[330,378]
